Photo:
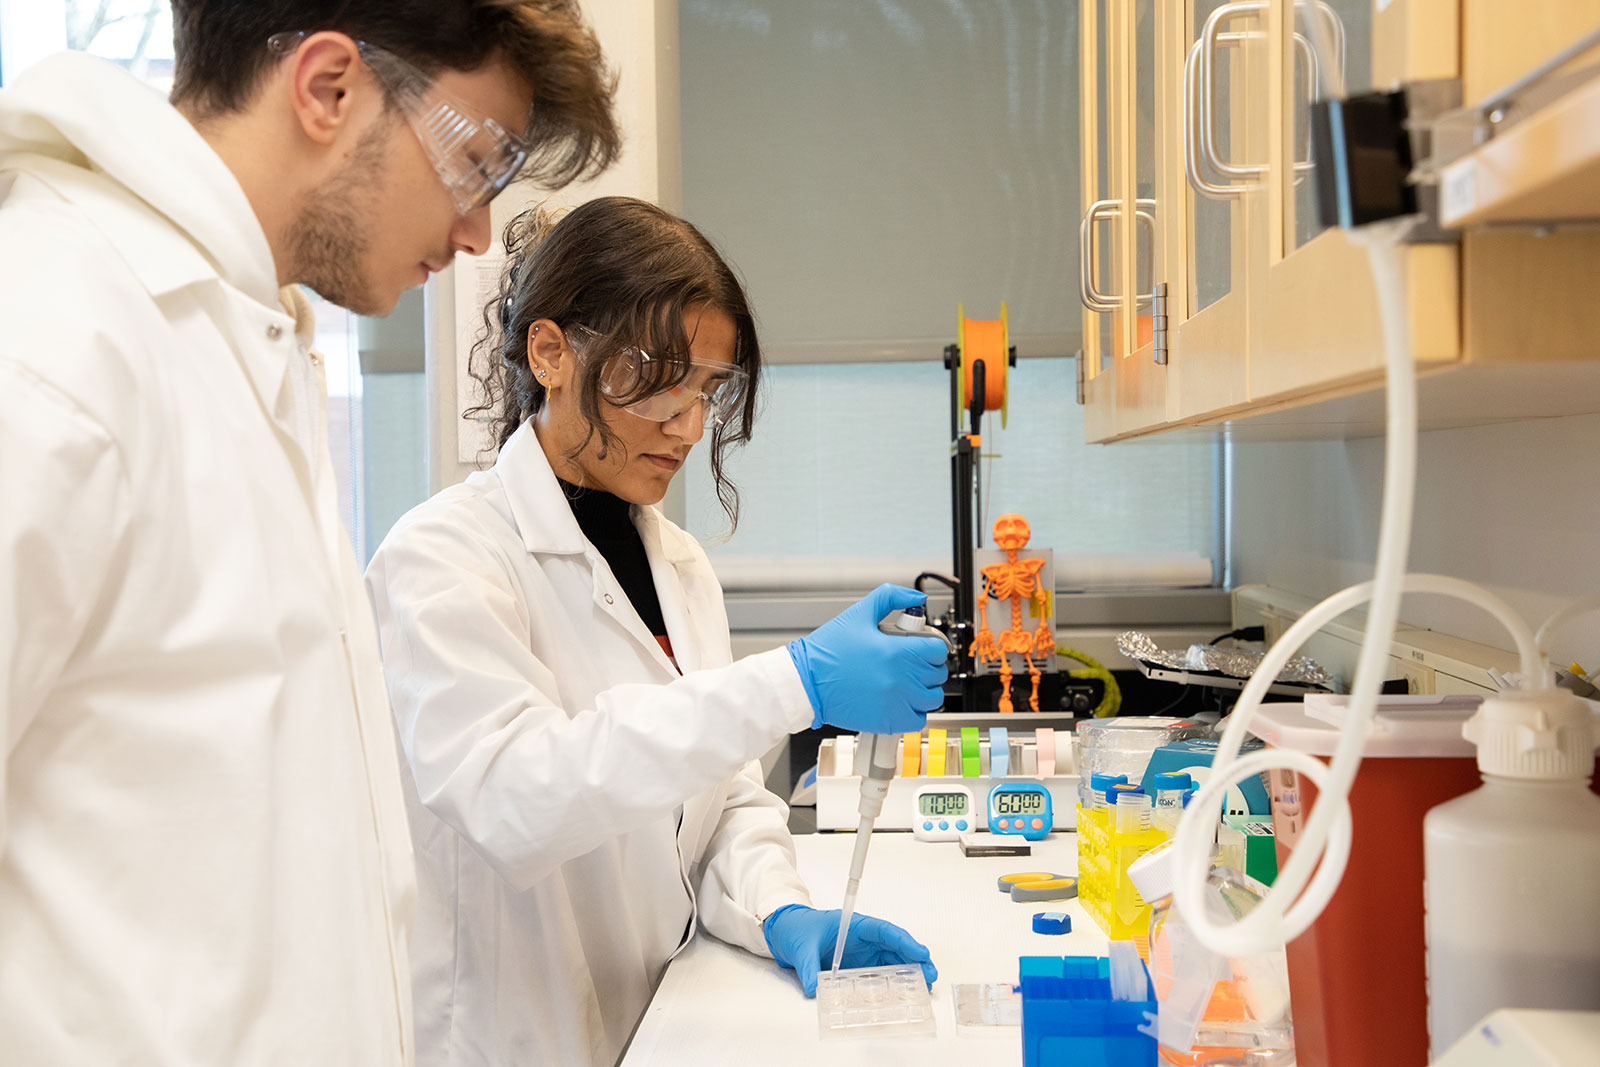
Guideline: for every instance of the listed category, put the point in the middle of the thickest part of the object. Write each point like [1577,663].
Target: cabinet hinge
[1158,323]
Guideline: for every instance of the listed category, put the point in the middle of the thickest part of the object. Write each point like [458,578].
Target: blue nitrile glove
[802,939]
[861,679]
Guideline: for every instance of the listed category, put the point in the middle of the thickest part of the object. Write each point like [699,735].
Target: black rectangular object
[1363,159]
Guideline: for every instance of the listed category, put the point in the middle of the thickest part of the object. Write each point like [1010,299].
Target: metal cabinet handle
[1207,118]
[1199,85]
[1093,299]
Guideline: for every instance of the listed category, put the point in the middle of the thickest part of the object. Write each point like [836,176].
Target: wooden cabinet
[1202,182]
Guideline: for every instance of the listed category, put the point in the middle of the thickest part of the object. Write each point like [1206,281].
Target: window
[373,368]
[851,462]
[868,166]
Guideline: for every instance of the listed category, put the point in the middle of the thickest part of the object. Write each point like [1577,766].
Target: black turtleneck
[606,522]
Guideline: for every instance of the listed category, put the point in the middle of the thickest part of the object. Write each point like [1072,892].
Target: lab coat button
[609,600]
[274,332]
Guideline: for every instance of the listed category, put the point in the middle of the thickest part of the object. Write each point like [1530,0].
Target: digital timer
[943,812]
[1020,808]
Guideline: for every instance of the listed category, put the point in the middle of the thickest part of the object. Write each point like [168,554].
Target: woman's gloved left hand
[803,938]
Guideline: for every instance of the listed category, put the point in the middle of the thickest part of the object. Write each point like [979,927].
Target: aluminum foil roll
[1234,662]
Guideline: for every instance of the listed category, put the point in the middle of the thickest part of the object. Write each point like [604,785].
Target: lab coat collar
[543,516]
[545,519]
[107,142]
[547,526]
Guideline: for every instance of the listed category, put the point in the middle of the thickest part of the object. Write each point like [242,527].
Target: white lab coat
[576,802]
[203,853]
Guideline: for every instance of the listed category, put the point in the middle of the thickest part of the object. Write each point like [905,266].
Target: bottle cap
[1118,789]
[1152,873]
[1188,795]
[1133,796]
[1543,735]
[1102,782]
[1162,782]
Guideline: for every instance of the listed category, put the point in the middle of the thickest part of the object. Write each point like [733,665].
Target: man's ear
[326,80]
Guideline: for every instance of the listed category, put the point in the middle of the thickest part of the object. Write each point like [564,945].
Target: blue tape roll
[999,752]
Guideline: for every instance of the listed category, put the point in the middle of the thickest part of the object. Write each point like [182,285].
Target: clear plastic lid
[1403,726]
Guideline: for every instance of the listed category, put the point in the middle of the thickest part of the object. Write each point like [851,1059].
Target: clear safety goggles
[719,387]
[475,157]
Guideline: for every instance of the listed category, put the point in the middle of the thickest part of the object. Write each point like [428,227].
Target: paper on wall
[477,281]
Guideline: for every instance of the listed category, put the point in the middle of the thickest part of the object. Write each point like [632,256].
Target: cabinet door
[1222,67]
[1099,236]
[1316,326]
[1141,383]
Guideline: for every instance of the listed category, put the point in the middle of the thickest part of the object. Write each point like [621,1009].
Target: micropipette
[876,759]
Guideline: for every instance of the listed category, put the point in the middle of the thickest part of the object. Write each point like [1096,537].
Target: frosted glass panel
[869,165]
[854,460]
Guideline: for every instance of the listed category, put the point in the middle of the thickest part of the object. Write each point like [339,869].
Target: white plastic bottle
[1512,869]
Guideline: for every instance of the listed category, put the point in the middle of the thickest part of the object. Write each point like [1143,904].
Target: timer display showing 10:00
[942,805]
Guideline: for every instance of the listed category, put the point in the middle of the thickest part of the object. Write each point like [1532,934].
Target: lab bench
[718,1004]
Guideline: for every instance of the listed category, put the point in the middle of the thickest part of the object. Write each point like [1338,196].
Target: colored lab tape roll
[1006,881]
[1051,889]
[911,756]
[971,764]
[1044,740]
[936,745]
[999,752]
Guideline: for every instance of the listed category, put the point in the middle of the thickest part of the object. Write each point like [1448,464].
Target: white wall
[1514,507]
[640,41]
[29,32]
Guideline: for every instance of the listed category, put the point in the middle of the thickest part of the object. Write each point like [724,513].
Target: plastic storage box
[1070,1018]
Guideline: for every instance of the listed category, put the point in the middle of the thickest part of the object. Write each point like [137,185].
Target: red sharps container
[1357,986]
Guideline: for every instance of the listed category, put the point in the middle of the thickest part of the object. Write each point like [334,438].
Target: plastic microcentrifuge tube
[1168,790]
[1098,786]
[1133,812]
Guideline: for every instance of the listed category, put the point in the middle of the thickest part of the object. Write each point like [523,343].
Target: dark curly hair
[625,271]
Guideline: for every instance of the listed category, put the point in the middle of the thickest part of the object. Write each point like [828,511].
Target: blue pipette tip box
[1070,1019]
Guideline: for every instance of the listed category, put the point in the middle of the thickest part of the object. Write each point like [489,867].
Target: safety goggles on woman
[475,156]
[719,386]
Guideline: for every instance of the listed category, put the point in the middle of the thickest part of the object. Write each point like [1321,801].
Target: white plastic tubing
[1297,898]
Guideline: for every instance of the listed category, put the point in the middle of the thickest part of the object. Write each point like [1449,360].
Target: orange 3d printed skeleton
[1015,580]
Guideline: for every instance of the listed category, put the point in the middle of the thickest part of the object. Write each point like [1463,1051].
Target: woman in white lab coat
[579,742]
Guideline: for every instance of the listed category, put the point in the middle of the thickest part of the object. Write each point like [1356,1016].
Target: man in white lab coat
[203,850]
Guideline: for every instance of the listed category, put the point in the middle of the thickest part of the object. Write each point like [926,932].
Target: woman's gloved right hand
[861,679]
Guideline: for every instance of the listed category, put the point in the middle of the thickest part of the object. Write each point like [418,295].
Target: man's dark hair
[619,273]
[222,57]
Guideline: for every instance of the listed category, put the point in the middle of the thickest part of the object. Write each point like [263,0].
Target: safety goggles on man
[474,155]
[718,386]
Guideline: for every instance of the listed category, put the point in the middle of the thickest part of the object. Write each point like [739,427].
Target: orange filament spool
[990,342]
